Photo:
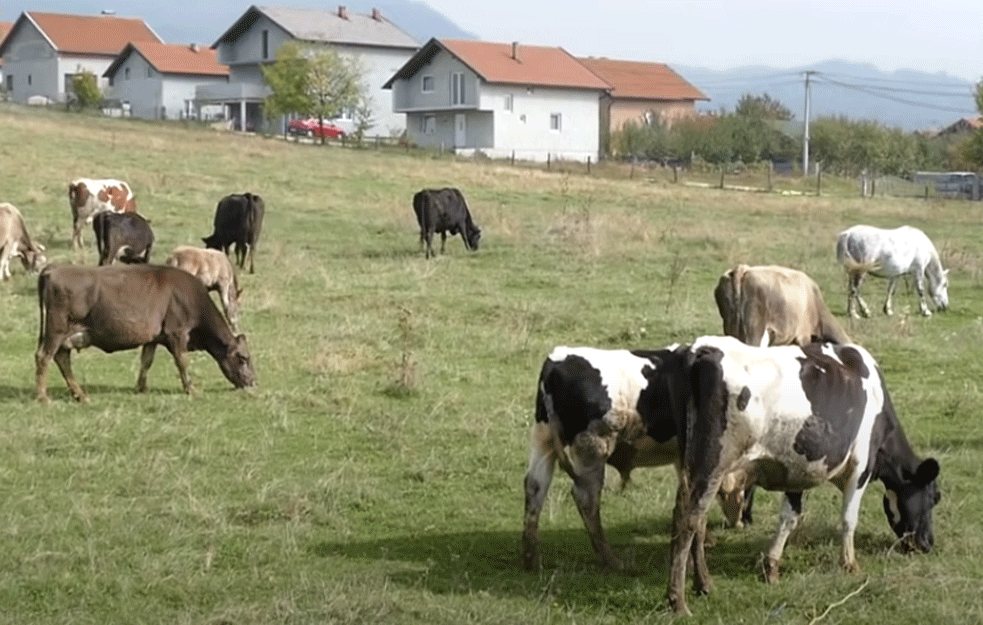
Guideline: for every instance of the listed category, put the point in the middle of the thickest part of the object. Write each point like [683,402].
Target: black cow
[239,220]
[126,237]
[127,306]
[789,419]
[596,406]
[444,211]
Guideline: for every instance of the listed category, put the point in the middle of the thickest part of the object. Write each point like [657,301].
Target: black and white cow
[597,407]
[126,237]
[789,419]
[444,211]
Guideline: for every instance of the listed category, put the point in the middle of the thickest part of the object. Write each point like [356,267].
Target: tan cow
[88,197]
[214,269]
[771,305]
[15,242]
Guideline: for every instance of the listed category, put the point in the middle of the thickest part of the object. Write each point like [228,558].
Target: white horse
[891,254]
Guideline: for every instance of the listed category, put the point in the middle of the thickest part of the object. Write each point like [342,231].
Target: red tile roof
[4,29]
[89,34]
[642,80]
[532,65]
[174,58]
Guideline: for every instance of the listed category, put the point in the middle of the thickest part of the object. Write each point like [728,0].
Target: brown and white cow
[772,305]
[117,307]
[213,268]
[15,242]
[88,197]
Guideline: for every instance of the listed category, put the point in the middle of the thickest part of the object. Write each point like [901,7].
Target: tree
[86,88]
[762,107]
[972,150]
[363,118]
[313,79]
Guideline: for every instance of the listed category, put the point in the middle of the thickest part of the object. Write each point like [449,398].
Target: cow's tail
[728,298]
[832,331]
[100,223]
[43,281]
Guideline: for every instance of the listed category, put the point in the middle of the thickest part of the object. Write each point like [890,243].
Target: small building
[43,52]
[500,99]
[158,80]
[253,40]
[641,92]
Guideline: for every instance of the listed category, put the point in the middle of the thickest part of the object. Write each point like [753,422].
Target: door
[460,130]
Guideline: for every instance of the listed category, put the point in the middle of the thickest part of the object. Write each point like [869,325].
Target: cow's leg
[443,241]
[63,358]
[77,227]
[178,346]
[853,492]
[919,279]
[429,251]
[5,254]
[892,285]
[42,358]
[146,359]
[680,547]
[252,250]
[587,457]
[788,519]
[230,306]
[539,476]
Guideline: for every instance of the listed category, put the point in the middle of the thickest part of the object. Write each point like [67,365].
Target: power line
[875,92]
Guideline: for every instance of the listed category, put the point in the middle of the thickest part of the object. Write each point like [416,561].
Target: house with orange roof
[641,92]
[500,99]
[252,41]
[158,80]
[4,29]
[44,51]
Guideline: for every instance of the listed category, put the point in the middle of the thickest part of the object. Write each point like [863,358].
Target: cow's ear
[39,246]
[927,471]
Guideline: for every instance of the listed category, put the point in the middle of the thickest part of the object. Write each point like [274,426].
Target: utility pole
[805,134]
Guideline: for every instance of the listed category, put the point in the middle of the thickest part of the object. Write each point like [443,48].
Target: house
[962,126]
[252,41]
[158,80]
[501,99]
[641,92]
[43,52]
[4,29]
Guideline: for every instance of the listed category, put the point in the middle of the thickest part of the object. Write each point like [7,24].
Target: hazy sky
[940,36]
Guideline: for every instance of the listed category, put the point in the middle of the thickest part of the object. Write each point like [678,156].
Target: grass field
[375,474]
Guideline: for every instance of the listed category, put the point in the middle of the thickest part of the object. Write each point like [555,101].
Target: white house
[4,29]
[502,99]
[253,40]
[158,80]
[43,52]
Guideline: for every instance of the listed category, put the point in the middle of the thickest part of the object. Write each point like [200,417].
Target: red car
[309,127]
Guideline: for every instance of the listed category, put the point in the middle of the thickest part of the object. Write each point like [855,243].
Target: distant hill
[906,99]
[173,20]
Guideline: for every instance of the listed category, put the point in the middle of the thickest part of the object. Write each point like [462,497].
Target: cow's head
[78,195]
[474,236]
[32,257]
[909,506]
[237,365]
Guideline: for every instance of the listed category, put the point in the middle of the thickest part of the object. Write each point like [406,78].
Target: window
[126,73]
[457,88]
[428,124]
[150,72]
[508,102]
[10,83]
[28,79]
[69,83]
[555,121]
[427,84]
[266,44]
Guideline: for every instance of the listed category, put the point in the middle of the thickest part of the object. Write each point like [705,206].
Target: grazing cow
[238,219]
[770,305]
[215,271]
[126,237]
[127,306]
[891,254]
[16,242]
[596,406]
[444,211]
[88,197]
[790,418]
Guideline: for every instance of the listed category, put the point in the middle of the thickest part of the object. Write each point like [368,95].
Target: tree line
[762,129]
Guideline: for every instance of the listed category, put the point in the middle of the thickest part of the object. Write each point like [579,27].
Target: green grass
[374,475]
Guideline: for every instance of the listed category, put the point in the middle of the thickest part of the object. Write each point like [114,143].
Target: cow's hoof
[43,399]
[851,567]
[769,570]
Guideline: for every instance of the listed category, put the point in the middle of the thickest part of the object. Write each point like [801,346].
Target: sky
[940,36]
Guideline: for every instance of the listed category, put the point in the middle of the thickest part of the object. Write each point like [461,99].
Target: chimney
[376,15]
[194,47]
[342,12]
[107,12]
[515,51]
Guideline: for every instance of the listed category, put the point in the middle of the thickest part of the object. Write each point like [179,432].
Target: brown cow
[88,197]
[771,305]
[117,307]
[213,268]
[16,242]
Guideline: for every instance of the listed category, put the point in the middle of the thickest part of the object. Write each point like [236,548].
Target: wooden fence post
[675,174]
[819,180]
[771,166]
[547,161]
[721,176]
[512,159]
[588,165]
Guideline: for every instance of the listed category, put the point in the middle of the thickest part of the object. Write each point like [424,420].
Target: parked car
[309,127]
